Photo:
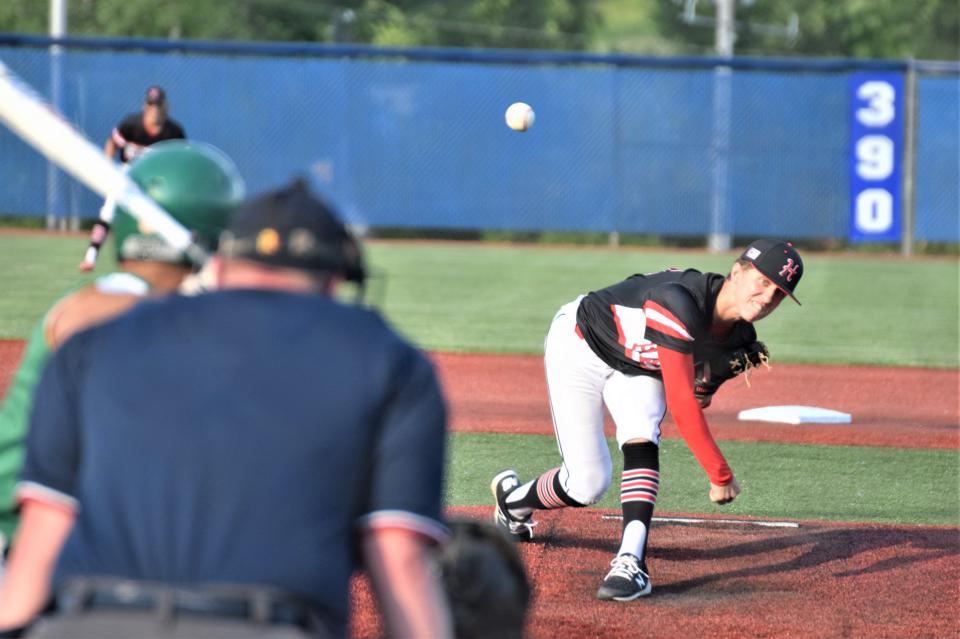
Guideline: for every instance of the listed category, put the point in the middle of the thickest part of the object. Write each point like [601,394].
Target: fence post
[616,149]
[721,227]
[909,158]
[58,29]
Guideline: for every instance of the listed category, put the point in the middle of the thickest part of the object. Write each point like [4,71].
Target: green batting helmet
[193,181]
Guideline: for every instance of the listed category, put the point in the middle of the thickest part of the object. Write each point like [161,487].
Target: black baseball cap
[155,95]
[779,261]
[292,228]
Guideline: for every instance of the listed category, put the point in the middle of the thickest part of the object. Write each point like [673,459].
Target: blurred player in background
[137,131]
[220,465]
[132,137]
[200,187]
[647,344]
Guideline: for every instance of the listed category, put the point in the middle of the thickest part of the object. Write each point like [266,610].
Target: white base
[795,415]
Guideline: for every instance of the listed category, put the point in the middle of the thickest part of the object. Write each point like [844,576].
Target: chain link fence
[416,138]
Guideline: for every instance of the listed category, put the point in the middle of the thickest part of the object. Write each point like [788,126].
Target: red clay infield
[728,580]
[820,580]
[899,407]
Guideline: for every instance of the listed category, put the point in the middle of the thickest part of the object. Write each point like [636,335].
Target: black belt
[255,603]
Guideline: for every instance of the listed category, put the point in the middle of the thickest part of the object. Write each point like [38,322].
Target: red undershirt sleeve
[677,369]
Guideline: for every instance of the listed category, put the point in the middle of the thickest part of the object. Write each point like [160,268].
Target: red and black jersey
[132,138]
[625,323]
[628,323]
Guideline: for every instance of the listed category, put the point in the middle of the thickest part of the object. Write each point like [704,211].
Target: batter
[199,186]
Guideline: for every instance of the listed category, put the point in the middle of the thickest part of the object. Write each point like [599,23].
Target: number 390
[875,156]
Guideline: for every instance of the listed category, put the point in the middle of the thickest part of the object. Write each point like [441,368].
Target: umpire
[220,465]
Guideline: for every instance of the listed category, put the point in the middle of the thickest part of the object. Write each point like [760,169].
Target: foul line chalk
[740,522]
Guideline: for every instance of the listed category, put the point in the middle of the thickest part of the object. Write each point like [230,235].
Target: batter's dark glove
[485,581]
[718,365]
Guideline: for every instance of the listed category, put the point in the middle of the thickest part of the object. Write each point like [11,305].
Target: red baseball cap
[779,261]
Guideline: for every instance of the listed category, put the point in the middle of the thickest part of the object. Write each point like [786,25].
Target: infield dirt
[820,580]
[896,407]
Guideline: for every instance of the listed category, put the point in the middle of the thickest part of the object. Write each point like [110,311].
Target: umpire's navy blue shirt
[239,436]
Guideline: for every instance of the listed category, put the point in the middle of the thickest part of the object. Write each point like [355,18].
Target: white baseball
[520,116]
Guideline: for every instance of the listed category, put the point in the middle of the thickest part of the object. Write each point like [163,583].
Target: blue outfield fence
[416,138]
[938,159]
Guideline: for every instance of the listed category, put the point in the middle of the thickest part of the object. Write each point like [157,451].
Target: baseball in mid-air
[520,116]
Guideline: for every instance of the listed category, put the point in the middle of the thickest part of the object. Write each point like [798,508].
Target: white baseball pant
[579,385]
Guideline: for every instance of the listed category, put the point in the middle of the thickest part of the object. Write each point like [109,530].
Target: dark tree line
[927,29]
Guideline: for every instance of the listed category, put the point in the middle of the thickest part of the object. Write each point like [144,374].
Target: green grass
[779,481]
[500,298]
[36,270]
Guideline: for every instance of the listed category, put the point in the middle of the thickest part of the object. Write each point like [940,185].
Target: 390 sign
[876,135]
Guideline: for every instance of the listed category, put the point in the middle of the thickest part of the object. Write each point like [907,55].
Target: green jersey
[14,418]
[15,414]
